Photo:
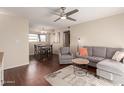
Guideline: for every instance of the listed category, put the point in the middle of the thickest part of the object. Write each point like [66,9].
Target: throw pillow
[118,56]
[83,52]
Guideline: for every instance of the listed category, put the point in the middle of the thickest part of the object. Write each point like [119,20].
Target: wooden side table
[79,62]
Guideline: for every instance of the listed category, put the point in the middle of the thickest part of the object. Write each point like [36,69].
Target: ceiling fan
[63,15]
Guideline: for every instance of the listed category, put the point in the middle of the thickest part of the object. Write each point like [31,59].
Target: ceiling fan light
[43,32]
[63,17]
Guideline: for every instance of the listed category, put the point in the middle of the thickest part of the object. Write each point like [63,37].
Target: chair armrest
[60,54]
[71,54]
[123,60]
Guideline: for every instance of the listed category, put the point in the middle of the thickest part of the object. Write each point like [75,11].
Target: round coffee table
[77,62]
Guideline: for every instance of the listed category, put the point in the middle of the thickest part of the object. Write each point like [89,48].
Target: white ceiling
[43,16]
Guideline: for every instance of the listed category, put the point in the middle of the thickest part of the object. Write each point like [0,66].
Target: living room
[99,30]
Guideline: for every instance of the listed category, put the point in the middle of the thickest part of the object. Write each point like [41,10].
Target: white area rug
[66,77]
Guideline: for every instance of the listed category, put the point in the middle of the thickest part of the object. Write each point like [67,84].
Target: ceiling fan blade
[72,12]
[57,19]
[71,19]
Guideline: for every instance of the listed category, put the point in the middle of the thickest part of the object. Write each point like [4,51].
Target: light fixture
[79,41]
[78,46]
[43,31]
[63,17]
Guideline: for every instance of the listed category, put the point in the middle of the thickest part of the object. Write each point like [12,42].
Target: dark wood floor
[33,74]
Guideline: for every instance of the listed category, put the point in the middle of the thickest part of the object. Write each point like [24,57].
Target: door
[67,39]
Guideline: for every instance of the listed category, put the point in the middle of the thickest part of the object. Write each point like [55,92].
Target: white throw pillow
[118,55]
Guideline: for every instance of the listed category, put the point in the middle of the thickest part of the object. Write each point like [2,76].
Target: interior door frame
[64,37]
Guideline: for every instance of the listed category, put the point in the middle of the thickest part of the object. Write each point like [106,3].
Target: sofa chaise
[101,58]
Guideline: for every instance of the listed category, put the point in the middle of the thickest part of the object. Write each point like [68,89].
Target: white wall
[14,40]
[107,32]
[56,46]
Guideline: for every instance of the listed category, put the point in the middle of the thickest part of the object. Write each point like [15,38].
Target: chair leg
[97,76]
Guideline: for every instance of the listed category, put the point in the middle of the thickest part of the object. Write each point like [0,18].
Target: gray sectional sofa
[101,58]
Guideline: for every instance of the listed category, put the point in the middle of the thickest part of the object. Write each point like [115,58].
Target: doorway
[66,39]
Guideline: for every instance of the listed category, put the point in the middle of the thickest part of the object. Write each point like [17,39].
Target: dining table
[43,50]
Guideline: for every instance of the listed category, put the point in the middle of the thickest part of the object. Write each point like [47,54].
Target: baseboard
[16,66]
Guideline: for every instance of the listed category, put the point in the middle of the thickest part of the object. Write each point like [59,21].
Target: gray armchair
[65,55]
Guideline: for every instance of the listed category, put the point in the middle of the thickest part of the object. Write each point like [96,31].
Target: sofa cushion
[95,59]
[111,51]
[111,66]
[99,51]
[89,49]
[66,57]
[68,61]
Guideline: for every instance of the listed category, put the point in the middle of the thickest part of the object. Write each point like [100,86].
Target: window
[37,38]
[43,38]
[33,38]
